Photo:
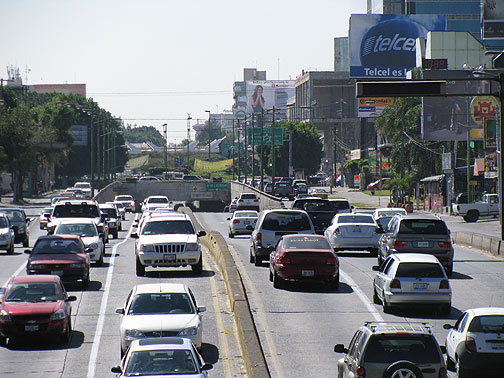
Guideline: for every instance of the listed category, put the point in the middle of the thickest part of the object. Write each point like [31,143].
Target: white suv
[85,187]
[168,241]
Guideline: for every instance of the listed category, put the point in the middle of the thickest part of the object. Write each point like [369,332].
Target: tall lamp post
[188,136]
[165,155]
[209,139]
[335,144]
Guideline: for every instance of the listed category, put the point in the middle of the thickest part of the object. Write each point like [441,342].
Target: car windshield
[419,269]
[33,292]
[57,246]
[83,230]
[386,349]
[82,186]
[423,226]
[487,323]
[285,221]
[249,214]
[76,211]
[109,213]
[4,223]
[306,243]
[248,196]
[13,215]
[161,303]
[161,362]
[356,219]
[168,227]
[124,198]
[157,200]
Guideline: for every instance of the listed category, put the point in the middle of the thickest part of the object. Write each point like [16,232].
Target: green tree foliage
[144,134]
[215,133]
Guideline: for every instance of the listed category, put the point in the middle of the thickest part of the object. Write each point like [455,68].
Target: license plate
[170,258]
[246,222]
[423,244]
[307,273]
[357,230]
[420,286]
[497,346]
[31,327]
[57,272]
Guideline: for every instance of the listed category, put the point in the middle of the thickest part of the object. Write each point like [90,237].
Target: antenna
[27,70]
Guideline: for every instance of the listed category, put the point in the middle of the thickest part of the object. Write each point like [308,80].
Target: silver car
[412,279]
[6,234]
[242,222]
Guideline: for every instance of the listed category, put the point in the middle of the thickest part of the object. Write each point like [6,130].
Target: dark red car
[35,306]
[303,257]
[61,255]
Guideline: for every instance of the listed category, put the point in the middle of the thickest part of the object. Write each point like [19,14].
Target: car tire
[471,216]
[85,282]
[26,242]
[251,257]
[402,369]
[257,260]
[380,260]
[231,235]
[3,341]
[462,372]
[386,306]
[100,260]
[120,227]
[376,298]
[450,364]
[449,270]
[115,234]
[270,276]
[373,252]
[10,251]
[65,337]
[140,269]
[445,309]
[197,269]
[277,281]
[334,284]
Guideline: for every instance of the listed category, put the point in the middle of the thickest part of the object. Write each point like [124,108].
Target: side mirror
[116,369]
[28,251]
[71,298]
[376,268]
[207,366]
[340,348]
[443,349]
[228,218]
[201,233]
[201,309]
[119,310]
[447,326]
[88,250]
[134,235]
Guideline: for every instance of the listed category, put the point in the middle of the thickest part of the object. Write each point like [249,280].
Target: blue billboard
[384,45]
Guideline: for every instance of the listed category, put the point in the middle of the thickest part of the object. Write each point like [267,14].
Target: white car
[242,222]
[162,356]
[412,279]
[158,310]
[85,187]
[127,201]
[475,344]
[155,202]
[88,231]
[350,231]
[7,234]
[383,215]
[168,241]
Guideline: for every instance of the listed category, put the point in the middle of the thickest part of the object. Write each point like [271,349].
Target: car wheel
[100,260]
[140,269]
[445,309]
[385,305]
[120,227]
[270,276]
[10,251]
[471,216]
[376,299]
[251,257]
[277,281]
[85,282]
[3,341]
[26,242]
[401,369]
[257,261]
[373,252]
[380,260]
[65,337]
[449,270]
[334,284]
[115,234]
[231,235]
[198,268]
[450,364]
[122,353]
[461,371]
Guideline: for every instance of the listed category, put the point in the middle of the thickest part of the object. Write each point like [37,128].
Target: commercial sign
[264,94]
[493,19]
[384,45]
[373,106]
[378,164]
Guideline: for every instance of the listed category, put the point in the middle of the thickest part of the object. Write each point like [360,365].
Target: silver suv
[417,234]
[392,350]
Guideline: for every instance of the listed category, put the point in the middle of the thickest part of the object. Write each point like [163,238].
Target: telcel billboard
[384,45]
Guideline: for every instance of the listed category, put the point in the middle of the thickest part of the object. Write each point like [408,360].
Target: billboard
[341,54]
[264,94]
[492,19]
[79,134]
[373,106]
[384,45]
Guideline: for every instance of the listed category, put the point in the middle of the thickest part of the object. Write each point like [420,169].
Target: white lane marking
[15,274]
[362,296]
[101,317]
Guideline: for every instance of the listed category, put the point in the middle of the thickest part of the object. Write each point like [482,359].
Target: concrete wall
[266,201]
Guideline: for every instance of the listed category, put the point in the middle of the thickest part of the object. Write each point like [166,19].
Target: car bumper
[169,259]
[195,339]
[308,273]
[66,275]
[355,243]
[416,298]
[28,327]
[481,361]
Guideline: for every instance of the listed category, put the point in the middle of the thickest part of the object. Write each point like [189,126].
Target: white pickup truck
[488,206]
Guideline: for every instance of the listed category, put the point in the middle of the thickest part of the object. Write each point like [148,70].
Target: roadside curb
[253,355]
[485,243]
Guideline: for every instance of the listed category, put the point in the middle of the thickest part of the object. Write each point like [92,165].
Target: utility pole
[209,139]
[253,148]
[91,138]
[165,155]
[188,136]
[246,148]
[233,150]
[262,149]
[273,149]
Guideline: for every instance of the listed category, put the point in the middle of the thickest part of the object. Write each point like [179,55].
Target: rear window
[356,219]
[487,323]
[340,205]
[423,226]
[418,269]
[286,221]
[124,198]
[390,348]
[111,213]
[306,243]
[248,196]
[76,211]
[57,246]
[158,200]
[250,214]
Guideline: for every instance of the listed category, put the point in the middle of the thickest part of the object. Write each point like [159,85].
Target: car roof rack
[399,326]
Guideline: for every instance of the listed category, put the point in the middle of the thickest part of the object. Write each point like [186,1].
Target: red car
[61,255]
[35,306]
[304,257]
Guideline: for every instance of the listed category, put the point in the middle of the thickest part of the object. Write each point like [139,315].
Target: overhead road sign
[401,88]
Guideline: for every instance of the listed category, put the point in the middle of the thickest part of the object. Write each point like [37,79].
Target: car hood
[168,238]
[87,240]
[161,322]
[24,308]
[58,258]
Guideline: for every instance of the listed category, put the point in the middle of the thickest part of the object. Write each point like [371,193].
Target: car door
[349,362]
[456,335]
[383,277]
[384,241]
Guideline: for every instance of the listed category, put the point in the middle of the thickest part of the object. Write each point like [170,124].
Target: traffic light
[401,88]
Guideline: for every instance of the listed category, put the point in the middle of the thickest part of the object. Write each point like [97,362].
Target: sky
[152,62]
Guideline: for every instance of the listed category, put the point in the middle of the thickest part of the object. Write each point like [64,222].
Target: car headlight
[134,333]
[59,315]
[4,316]
[191,331]
[3,236]
[147,248]
[36,266]
[192,246]
[93,246]
[77,265]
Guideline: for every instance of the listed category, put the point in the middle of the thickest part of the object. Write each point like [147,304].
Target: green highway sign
[217,186]
[266,136]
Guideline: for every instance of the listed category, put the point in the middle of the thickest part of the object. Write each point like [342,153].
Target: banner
[493,19]
[212,166]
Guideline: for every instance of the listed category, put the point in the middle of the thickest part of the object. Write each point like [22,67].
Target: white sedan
[242,222]
[159,310]
[353,232]
[383,215]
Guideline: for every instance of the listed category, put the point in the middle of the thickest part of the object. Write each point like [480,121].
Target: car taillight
[470,344]
[256,200]
[236,221]
[132,203]
[444,244]
[395,284]
[350,212]
[399,243]
[284,260]
[444,284]
[337,230]
[331,261]
[361,372]
[259,238]
[443,373]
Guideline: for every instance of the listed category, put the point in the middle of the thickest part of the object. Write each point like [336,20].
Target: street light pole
[262,149]
[165,155]
[209,139]
[233,150]
[273,149]
[91,137]
[188,136]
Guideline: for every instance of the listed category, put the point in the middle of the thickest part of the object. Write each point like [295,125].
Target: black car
[19,222]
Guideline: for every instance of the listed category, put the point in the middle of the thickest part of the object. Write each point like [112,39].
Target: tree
[144,134]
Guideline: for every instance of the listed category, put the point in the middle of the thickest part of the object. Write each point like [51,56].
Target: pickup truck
[488,206]
[321,211]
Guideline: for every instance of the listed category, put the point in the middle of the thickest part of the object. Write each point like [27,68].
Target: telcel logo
[381,44]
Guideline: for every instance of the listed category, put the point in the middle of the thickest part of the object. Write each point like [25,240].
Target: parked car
[392,350]
[271,226]
[191,178]
[242,222]
[19,222]
[7,235]
[61,255]
[87,230]
[475,344]
[383,215]
[350,231]
[127,200]
[159,310]
[471,212]
[417,234]
[162,356]
[44,216]
[304,258]
[378,184]
[248,201]
[35,306]
[112,218]
[412,279]
[148,178]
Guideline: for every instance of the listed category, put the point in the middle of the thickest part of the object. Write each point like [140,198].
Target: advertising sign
[373,106]
[264,94]
[384,45]
[493,19]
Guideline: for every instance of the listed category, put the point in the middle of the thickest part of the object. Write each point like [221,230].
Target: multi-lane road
[297,327]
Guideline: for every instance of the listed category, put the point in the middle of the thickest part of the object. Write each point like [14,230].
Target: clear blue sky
[153,61]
